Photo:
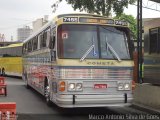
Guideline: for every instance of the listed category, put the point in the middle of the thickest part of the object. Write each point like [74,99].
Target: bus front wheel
[47,94]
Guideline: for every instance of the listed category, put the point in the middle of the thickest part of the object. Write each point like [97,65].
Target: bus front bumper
[70,101]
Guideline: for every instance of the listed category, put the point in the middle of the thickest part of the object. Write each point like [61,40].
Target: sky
[19,13]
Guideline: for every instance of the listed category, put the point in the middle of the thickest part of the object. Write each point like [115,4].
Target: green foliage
[132,23]
[102,7]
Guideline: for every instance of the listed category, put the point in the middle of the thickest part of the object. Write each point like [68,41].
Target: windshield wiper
[89,50]
[112,50]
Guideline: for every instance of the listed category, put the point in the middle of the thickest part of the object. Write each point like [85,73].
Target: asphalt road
[31,106]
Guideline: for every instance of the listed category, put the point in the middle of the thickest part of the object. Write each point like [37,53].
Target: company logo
[101,63]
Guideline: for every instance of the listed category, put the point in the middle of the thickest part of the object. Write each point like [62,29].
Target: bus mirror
[53,55]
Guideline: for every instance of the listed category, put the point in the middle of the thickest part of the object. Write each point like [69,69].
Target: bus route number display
[96,20]
[120,22]
[70,19]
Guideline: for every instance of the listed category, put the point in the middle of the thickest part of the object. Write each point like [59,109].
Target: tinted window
[35,43]
[30,46]
[90,41]
[113,41]
[76,40]
[53,38]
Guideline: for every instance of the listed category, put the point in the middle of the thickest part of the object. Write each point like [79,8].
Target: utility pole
[139,40]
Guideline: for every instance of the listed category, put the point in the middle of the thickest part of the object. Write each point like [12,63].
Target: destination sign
[70,19]
[96,20]
[120,22]
[103,21]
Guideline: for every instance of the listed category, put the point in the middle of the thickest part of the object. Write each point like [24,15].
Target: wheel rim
[47,94]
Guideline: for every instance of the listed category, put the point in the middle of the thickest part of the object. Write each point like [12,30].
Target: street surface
[31,106]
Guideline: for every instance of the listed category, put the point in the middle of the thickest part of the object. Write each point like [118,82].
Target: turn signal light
[62,85]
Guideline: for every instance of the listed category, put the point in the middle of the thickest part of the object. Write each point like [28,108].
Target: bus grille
[94,74]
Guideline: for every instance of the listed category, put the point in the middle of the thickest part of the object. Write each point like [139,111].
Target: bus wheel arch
[47,91]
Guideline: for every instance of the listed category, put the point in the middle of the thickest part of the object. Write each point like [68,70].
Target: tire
[47,95]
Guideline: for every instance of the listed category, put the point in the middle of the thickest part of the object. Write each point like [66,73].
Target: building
[148,24]
[37,24]
[23,33]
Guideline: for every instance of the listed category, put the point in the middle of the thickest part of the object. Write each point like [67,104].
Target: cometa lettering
[100,63]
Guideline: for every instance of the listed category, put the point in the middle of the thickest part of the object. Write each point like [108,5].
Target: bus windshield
[113,42]
[93,42]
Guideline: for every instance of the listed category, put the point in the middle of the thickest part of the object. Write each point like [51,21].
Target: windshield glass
[94,42]
[115,38]
[75,40]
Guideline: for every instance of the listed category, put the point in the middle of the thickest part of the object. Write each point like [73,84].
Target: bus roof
[84,20]
[79,14]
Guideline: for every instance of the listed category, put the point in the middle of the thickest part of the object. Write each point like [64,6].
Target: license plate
[100,86]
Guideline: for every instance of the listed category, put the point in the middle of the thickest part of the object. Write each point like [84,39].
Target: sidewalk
[147,97]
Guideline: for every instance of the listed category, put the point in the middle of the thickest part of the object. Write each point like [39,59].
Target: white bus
[81,60]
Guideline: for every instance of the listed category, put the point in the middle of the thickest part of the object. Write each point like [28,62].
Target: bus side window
[27,47]
[43,39]
[48,34]
[53,39]
[39,41]
[23,49]
[30,46]
[35,43]
[42,44]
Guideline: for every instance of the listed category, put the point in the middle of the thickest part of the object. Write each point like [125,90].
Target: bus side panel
[38,72]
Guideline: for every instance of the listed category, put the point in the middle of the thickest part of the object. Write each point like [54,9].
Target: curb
[146,108]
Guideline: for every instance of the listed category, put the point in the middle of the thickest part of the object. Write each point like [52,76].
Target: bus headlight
[79,87]
[71,87]
[75,87]
[120,86]
[127,86]
[124,86]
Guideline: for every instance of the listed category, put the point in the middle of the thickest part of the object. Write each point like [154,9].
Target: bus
[81,60]
[152,55]
[11,60]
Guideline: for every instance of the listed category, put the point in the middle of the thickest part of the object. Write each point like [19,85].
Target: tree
[102,7]
[132,23]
